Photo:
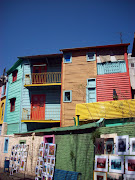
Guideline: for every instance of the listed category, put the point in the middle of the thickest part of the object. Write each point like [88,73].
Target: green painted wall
[75,152]
[14,91]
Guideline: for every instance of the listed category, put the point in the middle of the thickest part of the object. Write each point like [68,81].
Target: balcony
[43,79]
[51,115]
[106,109]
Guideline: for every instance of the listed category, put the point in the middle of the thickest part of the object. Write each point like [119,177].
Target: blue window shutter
[6,142]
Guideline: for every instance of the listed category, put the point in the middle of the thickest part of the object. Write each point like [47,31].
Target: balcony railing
[50,114]
[106,109]
[111,67]
[43,78]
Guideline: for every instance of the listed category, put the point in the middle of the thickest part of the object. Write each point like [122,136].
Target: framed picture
[53,161]
[49,178]
[99,175]
[42,145]
[40,152]
[36,178]
[99,146]
[46,145]
[46,152]
[40,172]
[101,163]
[51,170]
[49,160]
[44,177]
[122,146]
[36,170]
[41,162]
[130,165]
[116,164]
[129,177]
[132,146]
[45,159]
[45,169]
[114,176]
[48,170]
[109,146]
[52,148]
[22,167]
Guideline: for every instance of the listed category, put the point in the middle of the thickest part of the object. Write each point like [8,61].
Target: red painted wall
[106,83]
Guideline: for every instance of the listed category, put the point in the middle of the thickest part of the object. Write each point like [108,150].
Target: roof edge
[95,47]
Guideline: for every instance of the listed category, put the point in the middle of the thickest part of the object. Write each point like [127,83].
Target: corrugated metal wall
[106,84]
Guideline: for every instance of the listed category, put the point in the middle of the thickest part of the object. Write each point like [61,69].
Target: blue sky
[31,27]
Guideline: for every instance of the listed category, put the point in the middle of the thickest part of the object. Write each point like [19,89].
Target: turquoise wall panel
[23,127]
[14,91]
[111,67]
[13,128]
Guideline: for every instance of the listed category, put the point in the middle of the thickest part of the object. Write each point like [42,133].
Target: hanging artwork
[101,163]
[122,146]
[18,158]
[46,161]
[114,176]
[132,146]
[130,165]
[109,146]
[129,177]
[99,146]
[116,164]
[100,175]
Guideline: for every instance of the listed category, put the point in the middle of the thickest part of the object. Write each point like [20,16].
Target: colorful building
[3,93]
[43,90]
[93,74]
[34,98]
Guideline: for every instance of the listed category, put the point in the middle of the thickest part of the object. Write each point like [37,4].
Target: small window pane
[67,96]
[132,64]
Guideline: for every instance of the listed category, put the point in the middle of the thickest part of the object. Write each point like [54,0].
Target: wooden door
[91,95]
[38,107]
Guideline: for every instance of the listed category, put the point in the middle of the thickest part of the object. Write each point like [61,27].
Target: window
[91,56]
[14,75]
[2,111]
[6,145]
[68,58]
[12,104]
[132,64]
[67,96]
[49,139]
[22,142]
[91,91]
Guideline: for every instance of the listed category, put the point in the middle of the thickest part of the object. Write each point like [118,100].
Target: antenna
[121,38]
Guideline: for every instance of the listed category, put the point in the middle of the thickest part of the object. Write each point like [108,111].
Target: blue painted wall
[14,91]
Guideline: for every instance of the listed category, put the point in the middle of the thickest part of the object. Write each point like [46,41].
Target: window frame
[14,75]
[49,136]
[6,150]
[69,54]
[22,141]
[70,91]
[11,105]
[87,56]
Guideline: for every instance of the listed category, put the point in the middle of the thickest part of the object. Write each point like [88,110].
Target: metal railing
[43,78]
[51,113]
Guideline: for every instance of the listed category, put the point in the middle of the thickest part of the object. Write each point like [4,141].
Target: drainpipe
[77,120]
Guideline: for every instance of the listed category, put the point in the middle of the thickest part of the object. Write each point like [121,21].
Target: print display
[46,161]
[122,147]
[101,163]
[114,176]
[109,146]
[129,177]
[132,146]
[130,165]
[99,146]
[100,175]
[18,158]
[116,164]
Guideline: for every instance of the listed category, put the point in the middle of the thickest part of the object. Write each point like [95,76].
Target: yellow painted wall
[106,109]
[2,110]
